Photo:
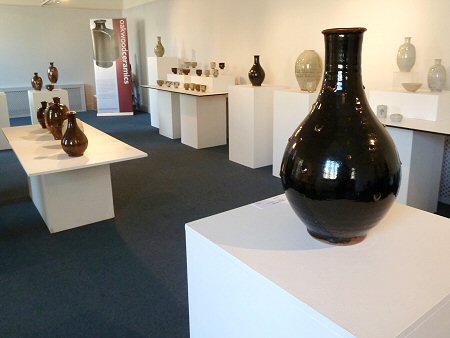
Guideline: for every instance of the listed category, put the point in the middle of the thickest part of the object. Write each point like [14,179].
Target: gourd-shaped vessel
[52,73]
[308,70]
[55,114]
[36,82]
[437,76]
[256,74]
[341,170]
[406,56]
[106,48]
[40,114]
[74,141]
[159,48]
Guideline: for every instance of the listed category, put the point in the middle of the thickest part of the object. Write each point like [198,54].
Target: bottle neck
[256,59]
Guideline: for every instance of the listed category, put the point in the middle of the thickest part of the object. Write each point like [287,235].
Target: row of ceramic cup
[187,86]
[199,72]
[212,65]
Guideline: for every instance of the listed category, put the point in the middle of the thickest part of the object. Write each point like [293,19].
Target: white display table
[290,107]
[250,123]
[158,68]
[255,272]
[198,118]
[35,97]
[69,191]
[4,120]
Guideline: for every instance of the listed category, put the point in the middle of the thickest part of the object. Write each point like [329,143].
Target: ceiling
[87,4]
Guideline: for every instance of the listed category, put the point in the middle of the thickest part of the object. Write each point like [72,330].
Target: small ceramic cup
[203,88]
[192,86]
[396,117]
[176,84]
[194,64]
[212,65]
[168,83]
[186,85]
[206,72]
[222,65]
[186,71]
[216,73]
[197,87]
[160,82]
[174,70]
[198,72]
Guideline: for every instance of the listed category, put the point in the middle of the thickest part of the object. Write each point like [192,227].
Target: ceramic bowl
[160,82]
[198,72]
[194,64]
[187,64]
[49,87]
[174,70]
[186,85]
[168,83]
[396,117]
[186,71]
[411,86]
[176,84]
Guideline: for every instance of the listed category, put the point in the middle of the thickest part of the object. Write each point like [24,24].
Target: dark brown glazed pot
[41,114]
[36,82]
[52,73]
[55,114]
[198,72]
[341,171]
[74,141]
[256,74]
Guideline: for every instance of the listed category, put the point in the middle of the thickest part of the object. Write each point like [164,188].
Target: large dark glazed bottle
[341,170]
[74,141]
[40,114]
[106,48]
[256,74]
[55,115]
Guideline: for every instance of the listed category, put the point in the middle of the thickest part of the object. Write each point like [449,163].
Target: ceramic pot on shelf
[308,70]
[74,142]
[36,82]
[256,74]
[52,73]
[40,114]
[340,170]
[406,56]
[159,48]
[55,114]
[437,76]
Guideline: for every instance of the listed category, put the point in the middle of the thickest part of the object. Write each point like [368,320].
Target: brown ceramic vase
[41,114]
[74,141]
[36,82]
[52,73]
[55,114]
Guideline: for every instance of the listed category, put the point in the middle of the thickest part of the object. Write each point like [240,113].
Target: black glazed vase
[74,142]
[256,74]
[341,171]
[40,114]
[55,114]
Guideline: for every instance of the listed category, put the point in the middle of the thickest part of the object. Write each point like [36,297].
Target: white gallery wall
[34,36]
[233,31]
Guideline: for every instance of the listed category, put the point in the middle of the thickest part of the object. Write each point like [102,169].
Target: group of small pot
[52,73]
[187,85]
[63,125]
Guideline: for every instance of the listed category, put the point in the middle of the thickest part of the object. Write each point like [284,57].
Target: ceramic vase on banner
[40,114]
[52,73]
[341,170]
[437,76]
[74,142]
[106,48]
[308,70]
[159,48]
[256,74]
[406,56]
[36,82]
[55,114]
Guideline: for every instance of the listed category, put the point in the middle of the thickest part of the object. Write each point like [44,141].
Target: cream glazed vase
[308,70]
[159,48]
[437,76]
[406,56]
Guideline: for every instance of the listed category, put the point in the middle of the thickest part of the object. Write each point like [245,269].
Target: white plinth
[35,97]
[215,84]
[158,68]
[255,272]
[250,124]
[203,120]
[290,107]
[180,78]
[419,105]
[169,113]
[57,180]
[4,120]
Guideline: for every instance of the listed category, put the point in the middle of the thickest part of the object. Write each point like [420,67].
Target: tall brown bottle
[41,114]
[74,141]
[52,73]
[36,82]
[54,117]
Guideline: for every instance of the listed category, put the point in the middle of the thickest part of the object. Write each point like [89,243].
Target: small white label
[270,201]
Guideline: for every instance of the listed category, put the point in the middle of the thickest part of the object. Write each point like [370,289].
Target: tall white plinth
[35,97]
[423,105]
[169,113]
[250,124]
[421,154]
[256,272]
[158,68]
[4,121]
[203,120]
[290,107]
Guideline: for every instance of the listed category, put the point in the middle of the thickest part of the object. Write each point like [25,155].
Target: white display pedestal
[256,272]
[4,120]
[57,180]
[290,107]
[203,120]
[215,84]
[158,68]
[169,113]
[423,105]
[250,124]
[35,97]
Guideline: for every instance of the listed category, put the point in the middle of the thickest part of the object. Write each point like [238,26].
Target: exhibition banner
[112,67]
